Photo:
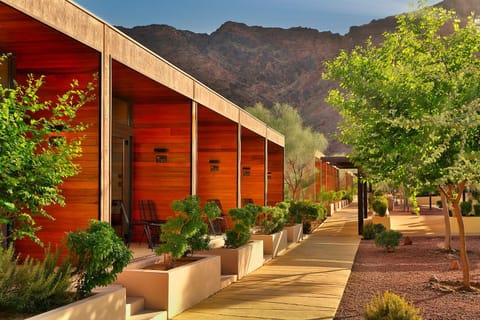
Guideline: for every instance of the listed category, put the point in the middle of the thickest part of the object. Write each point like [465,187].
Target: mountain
[250,64]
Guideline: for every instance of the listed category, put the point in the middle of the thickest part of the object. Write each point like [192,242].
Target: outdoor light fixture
[246,171]
[214,165]
[160,158]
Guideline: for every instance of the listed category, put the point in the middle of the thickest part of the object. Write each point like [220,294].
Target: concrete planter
[273,244]
[330,209]
[173,290]
[240,261]
[294,233]
[376,219]
[107,303]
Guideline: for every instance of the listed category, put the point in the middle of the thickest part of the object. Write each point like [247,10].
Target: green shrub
[272,219]
[476,209]
[307,227]
[98,255]
[380,205]
[244,219]
[370,230]
[390,306]
[186,231]
[34,286]
[439,203]
[465,208]
[389,239]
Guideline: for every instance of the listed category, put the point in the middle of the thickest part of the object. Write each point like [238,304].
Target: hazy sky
[205,16]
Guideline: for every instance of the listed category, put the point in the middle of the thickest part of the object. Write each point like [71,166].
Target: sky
[206,16]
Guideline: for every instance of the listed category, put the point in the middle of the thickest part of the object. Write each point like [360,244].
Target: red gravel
[407,272]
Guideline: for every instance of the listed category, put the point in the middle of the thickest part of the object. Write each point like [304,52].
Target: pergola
[343,162]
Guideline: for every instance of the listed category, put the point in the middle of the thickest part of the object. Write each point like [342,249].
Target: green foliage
[34,286]
[272,219]
[34,156]
[187,230]
[380,205]
[307,227]
[370,230]
[439,204]
[98,255]
[465,208]
[301,143]
[389,239]
[390,306]
[244,219]
[326,197]
[476,209]
[305,212]
[348,196]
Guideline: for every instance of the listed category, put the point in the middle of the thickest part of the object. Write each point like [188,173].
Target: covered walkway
[307,282]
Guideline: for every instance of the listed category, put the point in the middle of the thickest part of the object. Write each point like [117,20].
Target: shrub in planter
[476,209]
[33,286]
[370,230]
[307,227]
[97,255]
[244,219]
[465,208]
[186,231]
[380,205]
[295,211]
[390,306]
[272,219]
[439,204]
[389,239]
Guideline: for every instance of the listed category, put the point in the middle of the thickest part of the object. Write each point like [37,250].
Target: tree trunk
[455,200]
[448,233]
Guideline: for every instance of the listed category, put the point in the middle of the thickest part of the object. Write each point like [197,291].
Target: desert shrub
[34,286]
[348,196]
[370,230]
[390,306]
[98,255]
[380,205]
[244,219]
[476,209]
[389,239]
[465,208]
[295,211]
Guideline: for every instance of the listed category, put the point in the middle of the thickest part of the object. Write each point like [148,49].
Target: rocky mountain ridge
[250,64]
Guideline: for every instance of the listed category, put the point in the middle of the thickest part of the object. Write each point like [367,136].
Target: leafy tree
[300,144]
[410,105]
[34,156]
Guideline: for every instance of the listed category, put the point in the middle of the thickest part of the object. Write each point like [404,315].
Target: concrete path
[306,282]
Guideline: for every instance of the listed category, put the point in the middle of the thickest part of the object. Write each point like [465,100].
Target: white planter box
[240,261]
[376,219]
[108,303]
[173,290]
[273,244]
[294,233]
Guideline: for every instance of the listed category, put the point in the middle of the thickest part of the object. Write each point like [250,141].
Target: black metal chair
[131,224]
[148,214]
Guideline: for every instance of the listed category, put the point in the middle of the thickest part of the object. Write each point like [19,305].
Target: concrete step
[227,279]
[134,305]
[149,315]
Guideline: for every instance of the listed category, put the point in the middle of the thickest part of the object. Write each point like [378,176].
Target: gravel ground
[407,272]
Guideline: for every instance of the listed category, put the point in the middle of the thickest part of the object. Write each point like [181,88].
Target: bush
[244,219]
[465,208]
[476,209]
[439,204]
[389,239]
[390,306]
[307,227]
[272,219]
[98,255]
[380,205]
[370,230]
[34,286]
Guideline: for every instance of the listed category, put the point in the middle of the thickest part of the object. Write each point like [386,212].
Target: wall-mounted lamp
[246,171]
[214,165]
[160,158]
[269,175]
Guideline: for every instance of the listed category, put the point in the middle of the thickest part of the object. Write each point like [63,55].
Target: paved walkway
[307,282]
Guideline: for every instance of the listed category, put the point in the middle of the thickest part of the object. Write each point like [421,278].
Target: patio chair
[219,224]
[148,214]
[131,224]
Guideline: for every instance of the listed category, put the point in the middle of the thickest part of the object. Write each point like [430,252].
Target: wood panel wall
[252,168]
[164,126]
[275,174]
[217,158]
